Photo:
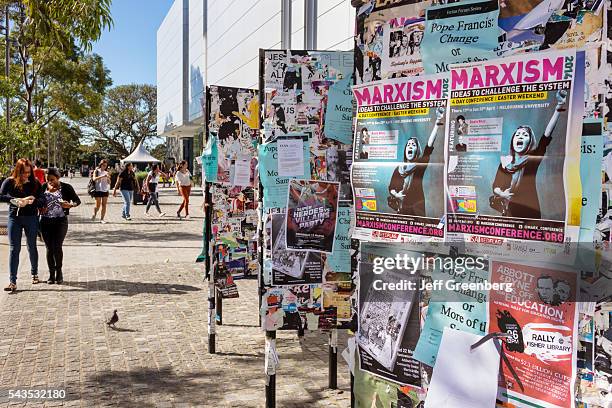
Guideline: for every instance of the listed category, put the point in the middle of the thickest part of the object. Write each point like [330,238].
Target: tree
[160,152]
[128,116]
[51,75]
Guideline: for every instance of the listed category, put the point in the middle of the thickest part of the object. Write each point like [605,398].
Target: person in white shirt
[150,184]
[183,185]
[101,178]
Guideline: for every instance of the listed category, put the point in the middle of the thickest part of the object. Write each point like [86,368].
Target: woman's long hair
[102,162]
[19,170]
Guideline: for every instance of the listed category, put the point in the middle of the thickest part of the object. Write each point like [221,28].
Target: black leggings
[54,231]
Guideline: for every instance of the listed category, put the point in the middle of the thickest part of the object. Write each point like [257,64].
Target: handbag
[91,187]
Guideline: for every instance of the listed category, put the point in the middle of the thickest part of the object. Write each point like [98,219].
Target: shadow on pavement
[157,238]
[239,325]
[120,329]
[125,288]
[148,387]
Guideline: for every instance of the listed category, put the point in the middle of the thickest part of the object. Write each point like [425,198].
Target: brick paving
[55,336]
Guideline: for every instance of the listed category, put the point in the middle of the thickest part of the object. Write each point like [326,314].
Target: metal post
[333,359]
[55,150]
[310,24]
[270,370]
[46,130]
[286,24]
[219,314]
[7,58]
[209,269]
[7,73]
[211,315]
[352,391]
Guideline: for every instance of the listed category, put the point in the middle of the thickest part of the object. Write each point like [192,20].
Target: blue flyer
[460,310]
[339,112]
[459,33]
[340,258]
[275,186]
[210,159]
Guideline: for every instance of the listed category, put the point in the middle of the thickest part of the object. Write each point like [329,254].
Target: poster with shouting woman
[514,130]
[398,170]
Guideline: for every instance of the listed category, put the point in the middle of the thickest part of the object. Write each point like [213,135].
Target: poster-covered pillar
[209,268]
[310,24]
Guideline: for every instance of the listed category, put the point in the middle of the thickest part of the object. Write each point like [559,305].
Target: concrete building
[217,42]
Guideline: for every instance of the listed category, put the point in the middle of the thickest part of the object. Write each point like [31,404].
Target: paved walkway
[55,336]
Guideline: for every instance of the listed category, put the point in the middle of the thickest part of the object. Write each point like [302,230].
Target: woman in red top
[39,172]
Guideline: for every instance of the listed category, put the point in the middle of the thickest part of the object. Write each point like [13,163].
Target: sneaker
[102,222]
[35,279]
[50,281]
[162,214]
[128,218]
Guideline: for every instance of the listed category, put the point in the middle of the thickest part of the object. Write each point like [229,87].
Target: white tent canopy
[140,155]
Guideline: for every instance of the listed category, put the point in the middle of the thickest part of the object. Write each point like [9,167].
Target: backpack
[91,186]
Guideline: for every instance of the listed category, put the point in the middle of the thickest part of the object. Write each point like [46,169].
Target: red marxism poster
[540,317]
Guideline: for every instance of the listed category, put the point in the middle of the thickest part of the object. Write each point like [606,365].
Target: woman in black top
[21,190]
[126,183]
[56,200]
[406,185]
[515,183]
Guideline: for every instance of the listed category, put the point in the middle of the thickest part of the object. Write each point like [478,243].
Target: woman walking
[183,184]
[126,183]
[101,178]
[151,183]
[56,201]
[21,190]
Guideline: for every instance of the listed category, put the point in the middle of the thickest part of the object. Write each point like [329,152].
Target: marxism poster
[513,144]
[312,212]
[398,170]
[539,316]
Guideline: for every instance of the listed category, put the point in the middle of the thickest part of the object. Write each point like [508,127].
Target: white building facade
[217,42]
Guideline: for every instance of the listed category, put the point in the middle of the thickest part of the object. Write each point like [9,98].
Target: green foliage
[141,176]
[159,152]
[128,116]
[52,79]
[68,24]
[19,139]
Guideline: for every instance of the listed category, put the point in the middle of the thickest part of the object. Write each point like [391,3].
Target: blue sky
[128,49]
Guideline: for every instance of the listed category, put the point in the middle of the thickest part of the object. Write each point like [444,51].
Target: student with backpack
[98,189]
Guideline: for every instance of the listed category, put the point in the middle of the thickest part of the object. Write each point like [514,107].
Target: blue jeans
[16,225]
[127,202]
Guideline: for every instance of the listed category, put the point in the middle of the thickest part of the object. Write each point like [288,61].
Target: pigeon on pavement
[114,319]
